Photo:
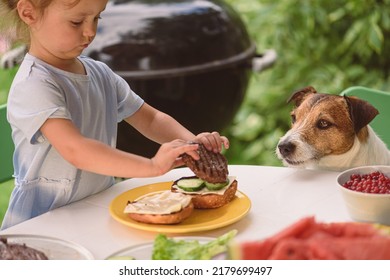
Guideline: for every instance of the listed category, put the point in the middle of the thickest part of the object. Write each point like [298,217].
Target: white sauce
[166,202]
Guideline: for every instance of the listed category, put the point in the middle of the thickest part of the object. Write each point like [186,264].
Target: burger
[211,187]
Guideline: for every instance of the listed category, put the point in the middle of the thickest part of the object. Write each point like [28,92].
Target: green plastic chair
[6,146]
[381,101]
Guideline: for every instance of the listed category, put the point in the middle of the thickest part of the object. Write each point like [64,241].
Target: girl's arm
[162,128]
[94,156]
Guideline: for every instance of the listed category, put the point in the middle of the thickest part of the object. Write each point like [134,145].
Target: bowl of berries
[366,192]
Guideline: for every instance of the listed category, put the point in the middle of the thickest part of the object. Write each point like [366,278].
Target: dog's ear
[362,112]
[300,95]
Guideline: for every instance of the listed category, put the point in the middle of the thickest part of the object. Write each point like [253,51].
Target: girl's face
[64,31]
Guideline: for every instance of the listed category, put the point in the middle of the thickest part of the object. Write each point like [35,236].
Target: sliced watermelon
[308,239]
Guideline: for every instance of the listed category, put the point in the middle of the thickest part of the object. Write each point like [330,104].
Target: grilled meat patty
[13,251]
[211,167]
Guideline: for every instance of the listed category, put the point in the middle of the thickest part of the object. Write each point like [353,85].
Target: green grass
[5,192]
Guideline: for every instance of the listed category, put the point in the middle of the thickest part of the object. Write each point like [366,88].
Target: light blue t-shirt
[95,103]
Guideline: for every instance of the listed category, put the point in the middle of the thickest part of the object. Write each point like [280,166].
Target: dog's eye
[293,119]
[323,124]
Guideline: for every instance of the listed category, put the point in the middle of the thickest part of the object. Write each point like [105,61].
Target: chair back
[6,146]
[381,101]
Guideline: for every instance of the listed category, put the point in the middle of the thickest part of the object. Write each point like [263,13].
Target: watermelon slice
[307,239]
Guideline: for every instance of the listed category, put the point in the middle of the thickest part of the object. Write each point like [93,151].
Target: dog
[331,132]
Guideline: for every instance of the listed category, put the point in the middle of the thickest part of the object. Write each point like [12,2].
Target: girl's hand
[213,141]
[168,155]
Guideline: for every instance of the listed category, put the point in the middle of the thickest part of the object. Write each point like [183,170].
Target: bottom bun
[212,200]
[165,219]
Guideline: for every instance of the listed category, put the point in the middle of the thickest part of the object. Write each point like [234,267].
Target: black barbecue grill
[189,58]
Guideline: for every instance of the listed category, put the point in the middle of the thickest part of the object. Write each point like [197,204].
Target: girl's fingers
[225,142]
[213,141]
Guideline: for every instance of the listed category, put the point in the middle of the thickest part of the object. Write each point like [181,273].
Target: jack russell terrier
[331,132]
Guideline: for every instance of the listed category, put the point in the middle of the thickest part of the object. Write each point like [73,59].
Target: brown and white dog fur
[331,132]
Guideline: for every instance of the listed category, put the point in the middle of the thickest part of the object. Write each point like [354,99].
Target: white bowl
[366,207]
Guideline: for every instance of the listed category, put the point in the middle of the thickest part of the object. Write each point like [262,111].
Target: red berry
[374,182]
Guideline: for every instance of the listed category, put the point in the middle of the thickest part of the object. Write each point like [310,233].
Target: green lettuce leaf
[165,248]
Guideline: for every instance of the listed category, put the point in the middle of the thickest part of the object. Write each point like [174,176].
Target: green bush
[6,76]
[5,192]
[330,45]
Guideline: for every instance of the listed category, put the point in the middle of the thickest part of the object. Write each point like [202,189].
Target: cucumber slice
[190,184]
[216,186]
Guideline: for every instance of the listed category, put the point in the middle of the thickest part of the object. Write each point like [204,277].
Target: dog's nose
[286,148]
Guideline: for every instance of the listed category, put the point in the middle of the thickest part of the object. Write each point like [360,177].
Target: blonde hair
[11,24]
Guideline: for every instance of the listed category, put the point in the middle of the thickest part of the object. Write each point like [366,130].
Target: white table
[280,196]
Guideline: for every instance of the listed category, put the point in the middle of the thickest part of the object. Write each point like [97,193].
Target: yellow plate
[200,220]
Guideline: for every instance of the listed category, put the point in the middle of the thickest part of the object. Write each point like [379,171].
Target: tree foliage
[330,45]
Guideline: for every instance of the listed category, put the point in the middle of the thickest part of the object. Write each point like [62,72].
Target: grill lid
[155,38]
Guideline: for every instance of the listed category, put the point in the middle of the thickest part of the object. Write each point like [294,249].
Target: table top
[279,197]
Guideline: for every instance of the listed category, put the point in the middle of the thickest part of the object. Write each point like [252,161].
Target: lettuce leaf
[165,248]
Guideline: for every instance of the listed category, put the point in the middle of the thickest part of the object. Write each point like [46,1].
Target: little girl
[64,108]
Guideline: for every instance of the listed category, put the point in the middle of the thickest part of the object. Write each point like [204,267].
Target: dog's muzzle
[286,148]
